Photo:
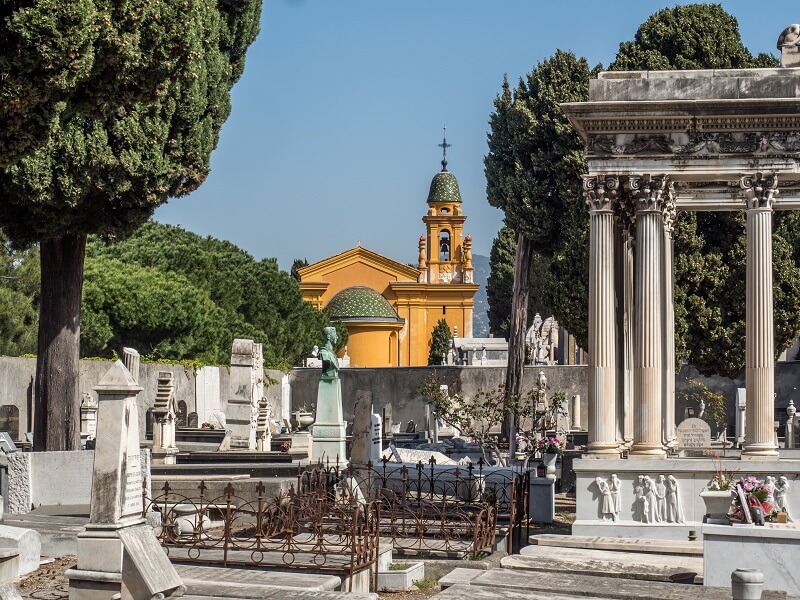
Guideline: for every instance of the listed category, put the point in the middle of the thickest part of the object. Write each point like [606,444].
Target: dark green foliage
[83,56]
[298,264]
[533,173]
[162,315]
[500,284]
[19,302]
[440,343]
[695,36]
[258,300]
[106,173]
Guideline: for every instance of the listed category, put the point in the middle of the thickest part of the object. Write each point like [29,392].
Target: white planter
[402,579]
[549,461]
[718,503]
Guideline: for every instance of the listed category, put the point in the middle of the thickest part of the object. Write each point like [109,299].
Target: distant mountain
[480,316]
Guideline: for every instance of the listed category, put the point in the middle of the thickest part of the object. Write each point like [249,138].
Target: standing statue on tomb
[781,490]
[674,510]
[616,495]
[330,363]
[606,502]
[769,486]
[661,498]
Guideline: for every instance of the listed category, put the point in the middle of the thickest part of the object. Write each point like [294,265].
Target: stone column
[600,194]
[647,194]
[669,432]
[759,192]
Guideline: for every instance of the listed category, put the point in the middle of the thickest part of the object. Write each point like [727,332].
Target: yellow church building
[389,308]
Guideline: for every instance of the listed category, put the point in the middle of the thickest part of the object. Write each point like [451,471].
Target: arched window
[444,245]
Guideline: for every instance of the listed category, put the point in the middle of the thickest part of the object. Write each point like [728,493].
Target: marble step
[589,542]
[506,583]
[629,565]
[243,583]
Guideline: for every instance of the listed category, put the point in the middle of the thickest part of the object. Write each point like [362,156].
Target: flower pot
[718,503]
[303,420]
[747,584]
[549,461]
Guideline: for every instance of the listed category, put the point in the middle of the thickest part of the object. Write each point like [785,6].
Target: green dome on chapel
[444,188]
[360,303]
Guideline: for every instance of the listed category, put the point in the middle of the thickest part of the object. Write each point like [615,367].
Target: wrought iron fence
[333,520]
[301,531]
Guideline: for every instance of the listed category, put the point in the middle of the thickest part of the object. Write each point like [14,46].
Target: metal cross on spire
[444,146]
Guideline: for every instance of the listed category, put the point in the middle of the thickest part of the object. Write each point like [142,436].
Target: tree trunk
[516,332]
[57,399]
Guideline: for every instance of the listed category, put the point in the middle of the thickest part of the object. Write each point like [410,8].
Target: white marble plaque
[376,439]
[694,434]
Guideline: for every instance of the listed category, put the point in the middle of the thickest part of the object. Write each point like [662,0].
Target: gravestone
[131,360]
[694,434]
[387,421]
[118,553]
[193,420]
[7,446]
[376,443]
[411,427]
[362,429]
[183,418]
[206,393]
[245,390]
[9,420]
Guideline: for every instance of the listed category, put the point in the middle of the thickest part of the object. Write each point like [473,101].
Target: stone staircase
[556,566]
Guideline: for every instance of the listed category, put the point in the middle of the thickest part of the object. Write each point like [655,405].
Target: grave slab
[199,579]
[26,542]
[459,576]
[502,582]
[628,565]
[619,544]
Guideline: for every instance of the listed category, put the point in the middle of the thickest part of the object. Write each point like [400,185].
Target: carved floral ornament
[759,190]
[600,192]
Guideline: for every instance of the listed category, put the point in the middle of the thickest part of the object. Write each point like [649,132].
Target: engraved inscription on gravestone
[9,420]
[694,434]
[132,482]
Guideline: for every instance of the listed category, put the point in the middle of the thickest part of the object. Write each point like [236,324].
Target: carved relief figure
[652,504]
[641,507]
[661,498]
[674,510]
[616,495]
[606,503]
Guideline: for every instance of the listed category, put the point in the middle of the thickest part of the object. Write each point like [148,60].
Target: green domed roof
[360,303]
[444,188]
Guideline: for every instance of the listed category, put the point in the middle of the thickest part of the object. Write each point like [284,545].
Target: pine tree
[109,163]
[440,343]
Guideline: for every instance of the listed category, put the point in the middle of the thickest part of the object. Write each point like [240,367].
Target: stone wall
[400,386]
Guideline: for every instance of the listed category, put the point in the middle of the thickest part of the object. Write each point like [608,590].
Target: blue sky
[335,124]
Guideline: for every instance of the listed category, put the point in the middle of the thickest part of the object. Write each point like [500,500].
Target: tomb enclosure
[659,143]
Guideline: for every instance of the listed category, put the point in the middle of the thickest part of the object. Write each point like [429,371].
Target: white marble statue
[781,490]
[769,483]
[652,502]
[606,502]
[674,510]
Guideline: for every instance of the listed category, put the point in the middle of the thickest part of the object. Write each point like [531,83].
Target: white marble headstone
[694,434]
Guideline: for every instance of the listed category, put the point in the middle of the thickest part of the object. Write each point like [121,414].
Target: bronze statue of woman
[330,364]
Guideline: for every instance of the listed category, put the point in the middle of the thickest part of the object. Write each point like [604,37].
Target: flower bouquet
[755,493]
[550,445]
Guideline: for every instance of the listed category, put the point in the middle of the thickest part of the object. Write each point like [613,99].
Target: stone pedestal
[118,552]
[329,428]
[246,387]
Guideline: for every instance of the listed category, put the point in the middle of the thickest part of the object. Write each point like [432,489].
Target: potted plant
[719,493]
[550,447]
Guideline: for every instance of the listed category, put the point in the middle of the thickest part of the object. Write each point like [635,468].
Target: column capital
[759,190]
[649,192]
[600,192]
